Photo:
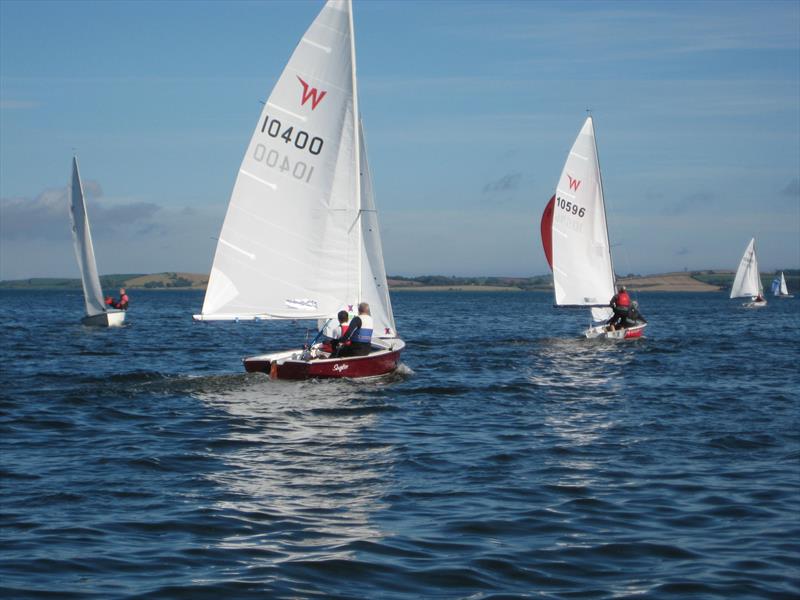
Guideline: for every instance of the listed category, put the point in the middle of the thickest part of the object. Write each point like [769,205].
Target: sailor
[621,305]
[359,334]
[122,303]
[338,331]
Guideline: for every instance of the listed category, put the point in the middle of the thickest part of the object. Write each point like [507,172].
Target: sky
[469,109]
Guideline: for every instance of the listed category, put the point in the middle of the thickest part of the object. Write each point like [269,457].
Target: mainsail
[747,281]
[784,291]
[84,250]
[574,231]
[300,238]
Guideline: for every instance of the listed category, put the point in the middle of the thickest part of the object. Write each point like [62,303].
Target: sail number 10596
[301,139]
[570,207]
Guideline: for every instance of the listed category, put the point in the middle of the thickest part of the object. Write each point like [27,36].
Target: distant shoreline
[693,281]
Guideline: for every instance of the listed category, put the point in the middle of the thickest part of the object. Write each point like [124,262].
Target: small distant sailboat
[779,289]
[97,313]
[575,240]
[300,239]
[747,282]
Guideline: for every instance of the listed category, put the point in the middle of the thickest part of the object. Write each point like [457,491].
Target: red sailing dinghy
[575,240]
[300,239]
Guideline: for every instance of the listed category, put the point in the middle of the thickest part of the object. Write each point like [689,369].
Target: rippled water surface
[508,458]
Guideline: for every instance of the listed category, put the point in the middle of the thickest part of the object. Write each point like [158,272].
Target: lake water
[508,458]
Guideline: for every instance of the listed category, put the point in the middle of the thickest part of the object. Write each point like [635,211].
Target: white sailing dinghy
[747,282]
[575,240]
[97,313]
[300,239]
[779,289]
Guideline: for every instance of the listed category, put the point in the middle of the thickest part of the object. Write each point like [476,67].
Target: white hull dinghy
[97,313]
[747,282]
[575,240]
[300,239]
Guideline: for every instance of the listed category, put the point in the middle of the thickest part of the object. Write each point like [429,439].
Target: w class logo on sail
[574,184]
[311,93]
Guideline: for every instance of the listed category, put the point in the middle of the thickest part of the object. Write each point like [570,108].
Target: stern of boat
[626,333]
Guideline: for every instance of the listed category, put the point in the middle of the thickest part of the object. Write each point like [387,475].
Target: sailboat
[575,240]
[300,240]
[747,282]
[97,313]
[779,289]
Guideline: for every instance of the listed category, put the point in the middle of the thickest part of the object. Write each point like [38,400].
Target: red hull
[635,333]
[379,363]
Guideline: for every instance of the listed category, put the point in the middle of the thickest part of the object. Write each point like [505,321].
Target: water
[509,458]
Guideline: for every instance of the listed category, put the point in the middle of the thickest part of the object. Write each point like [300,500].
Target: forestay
[583,274]
[84,250]
[747,281]
[291,244]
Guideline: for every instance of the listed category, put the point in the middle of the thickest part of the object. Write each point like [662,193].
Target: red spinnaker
[547,230]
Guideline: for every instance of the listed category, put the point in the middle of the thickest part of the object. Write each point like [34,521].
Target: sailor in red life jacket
[338,332]
[621,304]
[122,304]
[359,334]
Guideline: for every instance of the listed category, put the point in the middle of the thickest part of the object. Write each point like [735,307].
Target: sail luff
[84,249]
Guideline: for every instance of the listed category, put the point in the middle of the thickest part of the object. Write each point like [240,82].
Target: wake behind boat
[97,313]
[300,239]
[575,241]
[747,282]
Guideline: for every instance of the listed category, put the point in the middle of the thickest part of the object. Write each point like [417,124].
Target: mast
[356,125]
[603,196]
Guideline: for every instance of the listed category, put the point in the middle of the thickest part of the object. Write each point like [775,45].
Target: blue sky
[469,110]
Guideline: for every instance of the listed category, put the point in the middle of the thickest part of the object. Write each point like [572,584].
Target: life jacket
[123,302]
[623,300]
[364,333]
[344,327]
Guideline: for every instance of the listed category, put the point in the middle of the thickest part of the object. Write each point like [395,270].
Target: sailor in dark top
[359,334]
[621,304]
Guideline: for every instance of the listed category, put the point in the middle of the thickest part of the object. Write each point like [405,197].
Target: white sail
[291,240]
[84,251]
[747,281]
[582,271]
[374,288]
[784,289]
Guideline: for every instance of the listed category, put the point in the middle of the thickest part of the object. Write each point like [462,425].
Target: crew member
[122,303]
[621,305]
[339,331]
[359,334]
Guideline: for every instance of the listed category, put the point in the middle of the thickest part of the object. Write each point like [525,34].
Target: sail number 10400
[570,207]
[301,139]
